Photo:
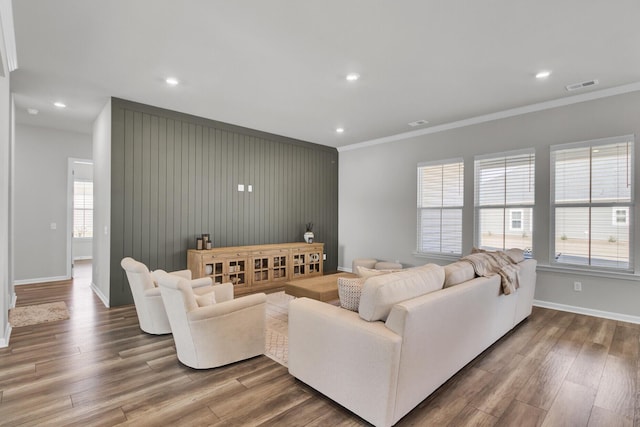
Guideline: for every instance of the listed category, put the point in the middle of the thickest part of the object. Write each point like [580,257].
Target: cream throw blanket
[505,264]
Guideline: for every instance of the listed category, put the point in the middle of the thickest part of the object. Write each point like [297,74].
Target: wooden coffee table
[321,288]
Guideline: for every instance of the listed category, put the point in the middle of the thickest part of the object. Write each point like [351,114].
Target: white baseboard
[83,258]
[4,341]
[40,280]
[100,295]
[14,299]
[587,311]
[345,269]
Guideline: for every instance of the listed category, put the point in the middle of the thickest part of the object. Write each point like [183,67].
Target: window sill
[588,272]
[437,256]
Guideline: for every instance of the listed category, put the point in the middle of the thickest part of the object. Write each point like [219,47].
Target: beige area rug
[277,334]
[35,314]
[277,343]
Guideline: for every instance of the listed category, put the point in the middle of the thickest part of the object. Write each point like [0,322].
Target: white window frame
[614,206]
[504,206]
[441,163]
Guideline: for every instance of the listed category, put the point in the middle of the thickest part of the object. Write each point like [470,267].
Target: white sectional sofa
[382,367]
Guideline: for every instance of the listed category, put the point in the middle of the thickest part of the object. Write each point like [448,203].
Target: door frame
[70,178]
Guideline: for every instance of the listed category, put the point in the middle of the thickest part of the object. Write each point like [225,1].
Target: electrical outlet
[577,286]
[324,257]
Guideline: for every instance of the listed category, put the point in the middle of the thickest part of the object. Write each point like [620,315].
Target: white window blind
[592,203]
[504,199]
[82,208]
[440,203]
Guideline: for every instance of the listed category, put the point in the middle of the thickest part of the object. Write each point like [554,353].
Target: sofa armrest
[350,360]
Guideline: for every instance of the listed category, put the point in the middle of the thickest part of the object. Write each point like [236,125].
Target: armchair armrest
[152,292]
[227,307]
[185,274]
[228,331]
[201,282]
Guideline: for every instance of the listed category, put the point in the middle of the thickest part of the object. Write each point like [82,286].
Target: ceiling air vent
[581,85]
[418,123]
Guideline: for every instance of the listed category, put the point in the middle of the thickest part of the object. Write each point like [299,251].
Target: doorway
[80,216]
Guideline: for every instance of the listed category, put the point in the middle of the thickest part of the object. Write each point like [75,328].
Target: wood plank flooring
[99,368]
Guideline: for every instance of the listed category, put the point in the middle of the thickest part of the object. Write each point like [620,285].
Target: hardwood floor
[99,368]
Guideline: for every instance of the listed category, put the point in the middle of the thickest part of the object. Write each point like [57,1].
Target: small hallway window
[82,209]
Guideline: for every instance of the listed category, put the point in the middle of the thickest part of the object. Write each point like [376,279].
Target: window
[619,216]
[504,198]
[515,219]
[592,202]
[82,208]
[440,203]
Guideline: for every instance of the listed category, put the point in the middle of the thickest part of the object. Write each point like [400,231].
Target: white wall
[40,197]
[377,186]
[102,203]
[6,289]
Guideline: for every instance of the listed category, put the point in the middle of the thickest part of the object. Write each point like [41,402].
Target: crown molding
[9,34]
[560,102]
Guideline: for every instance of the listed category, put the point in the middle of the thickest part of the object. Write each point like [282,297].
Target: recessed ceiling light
[32,111]
[352,77]
[339,130]
[60,104]
[418,123]
[172,81]
[543,74]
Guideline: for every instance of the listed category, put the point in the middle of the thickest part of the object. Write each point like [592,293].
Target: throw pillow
[206,299]
[349,291]
[515,254]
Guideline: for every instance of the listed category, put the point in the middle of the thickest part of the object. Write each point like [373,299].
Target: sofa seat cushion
[387,265]
[458,272]
[381,293]
[349,290]
[362,262]
[370,272]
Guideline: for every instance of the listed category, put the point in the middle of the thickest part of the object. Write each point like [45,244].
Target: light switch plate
[240,187]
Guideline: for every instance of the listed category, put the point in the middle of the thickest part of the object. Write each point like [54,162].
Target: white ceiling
[280,65]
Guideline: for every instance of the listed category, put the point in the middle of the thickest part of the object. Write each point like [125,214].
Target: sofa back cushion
[458,272]
[381,293]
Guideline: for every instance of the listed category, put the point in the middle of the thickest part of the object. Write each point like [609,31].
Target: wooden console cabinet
[257,268]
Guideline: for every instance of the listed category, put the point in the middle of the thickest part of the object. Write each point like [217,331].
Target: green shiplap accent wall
[175,176]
